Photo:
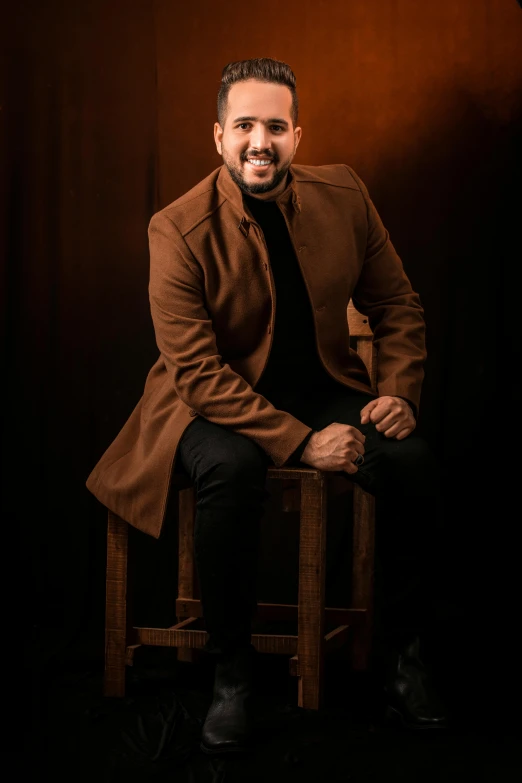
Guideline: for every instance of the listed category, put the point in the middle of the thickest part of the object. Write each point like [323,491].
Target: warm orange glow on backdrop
[377,81]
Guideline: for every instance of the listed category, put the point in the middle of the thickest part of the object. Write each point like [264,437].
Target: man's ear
[297,138]
[218,136]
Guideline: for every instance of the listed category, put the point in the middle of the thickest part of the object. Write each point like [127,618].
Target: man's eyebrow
[277,120]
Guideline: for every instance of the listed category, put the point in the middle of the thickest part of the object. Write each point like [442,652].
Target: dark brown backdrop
[108,111]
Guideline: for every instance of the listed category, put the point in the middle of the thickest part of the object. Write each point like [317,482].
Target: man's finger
[359,436]
[370,405]
[378,415]
[403,433]
[366,411]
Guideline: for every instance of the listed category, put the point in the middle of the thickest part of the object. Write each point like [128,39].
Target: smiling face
[258,141]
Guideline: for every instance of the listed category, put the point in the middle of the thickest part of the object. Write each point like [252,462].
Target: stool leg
[310,613]
[116,607]
[186,568]
[362,573]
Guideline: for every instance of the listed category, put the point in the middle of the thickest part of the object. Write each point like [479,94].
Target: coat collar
[233,193]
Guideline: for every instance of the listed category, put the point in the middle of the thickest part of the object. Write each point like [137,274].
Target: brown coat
[212,306]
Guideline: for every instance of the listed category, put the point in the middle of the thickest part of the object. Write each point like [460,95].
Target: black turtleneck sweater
[293,366]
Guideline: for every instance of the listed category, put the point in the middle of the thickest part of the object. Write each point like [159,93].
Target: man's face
[258,127]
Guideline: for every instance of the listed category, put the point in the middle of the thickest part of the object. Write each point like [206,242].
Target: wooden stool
[306,649]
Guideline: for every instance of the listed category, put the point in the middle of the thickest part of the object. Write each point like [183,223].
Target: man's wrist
[298,453]
[307,445]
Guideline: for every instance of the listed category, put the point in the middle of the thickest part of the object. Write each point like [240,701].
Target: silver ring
[358,460]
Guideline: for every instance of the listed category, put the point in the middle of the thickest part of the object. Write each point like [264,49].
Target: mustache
[258,153]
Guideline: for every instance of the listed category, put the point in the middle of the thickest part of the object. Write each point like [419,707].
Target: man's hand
[391,415]
[334,448]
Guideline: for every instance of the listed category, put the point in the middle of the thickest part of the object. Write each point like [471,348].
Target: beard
[235,172]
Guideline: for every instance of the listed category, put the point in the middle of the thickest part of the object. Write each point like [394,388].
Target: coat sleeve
[385,295]
[187,342]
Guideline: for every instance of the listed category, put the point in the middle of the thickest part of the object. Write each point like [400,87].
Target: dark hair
[264,69]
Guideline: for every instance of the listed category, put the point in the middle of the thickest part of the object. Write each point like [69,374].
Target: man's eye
[244,125]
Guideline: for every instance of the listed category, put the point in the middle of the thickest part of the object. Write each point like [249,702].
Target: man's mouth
[260,163]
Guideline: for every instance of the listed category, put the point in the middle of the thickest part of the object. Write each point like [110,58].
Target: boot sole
[232,750]
[394,717]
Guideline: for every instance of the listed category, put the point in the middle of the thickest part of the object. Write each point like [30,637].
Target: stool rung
[191,607]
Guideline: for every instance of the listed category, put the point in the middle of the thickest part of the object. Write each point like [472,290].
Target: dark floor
[153,733]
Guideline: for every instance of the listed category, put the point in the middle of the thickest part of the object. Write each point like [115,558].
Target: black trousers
[229,473]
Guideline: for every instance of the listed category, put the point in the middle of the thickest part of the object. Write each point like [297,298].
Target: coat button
[193,413]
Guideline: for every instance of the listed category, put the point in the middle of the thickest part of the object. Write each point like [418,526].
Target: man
[251,272]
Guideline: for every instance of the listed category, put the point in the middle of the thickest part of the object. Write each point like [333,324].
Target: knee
[413,451]
[412,465]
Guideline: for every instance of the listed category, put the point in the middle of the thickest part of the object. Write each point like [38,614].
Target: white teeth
[259,162]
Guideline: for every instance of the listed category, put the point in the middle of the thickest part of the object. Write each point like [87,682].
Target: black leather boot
[228,726]
[411,696]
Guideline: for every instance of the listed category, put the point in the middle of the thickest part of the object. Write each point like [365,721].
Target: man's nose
[260,138]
